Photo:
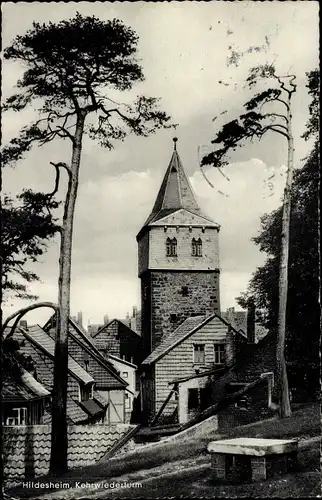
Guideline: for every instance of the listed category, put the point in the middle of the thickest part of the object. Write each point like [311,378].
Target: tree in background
[27,228]
[73,70]
[303,309]
[255,123]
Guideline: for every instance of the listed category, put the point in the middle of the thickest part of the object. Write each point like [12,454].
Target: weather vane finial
[175,140]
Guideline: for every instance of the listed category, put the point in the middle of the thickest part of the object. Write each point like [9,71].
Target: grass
[196,483]
[304,423]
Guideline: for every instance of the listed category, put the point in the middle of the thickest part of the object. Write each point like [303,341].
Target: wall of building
[185,260]
[130,378]
[163,297]
[148,394]
[143,253]
[179,362]
[184,413]
[108,339]
[255,359]
[26,449]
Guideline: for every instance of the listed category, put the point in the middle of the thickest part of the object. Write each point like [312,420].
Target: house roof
[119,360]
[80,337]
[20,391]
[120,322]
[99,398]
[41,339]
[74,411]
[238,320]
[33,385]
[92,408]
[88,345]
[187,328]
[174,194]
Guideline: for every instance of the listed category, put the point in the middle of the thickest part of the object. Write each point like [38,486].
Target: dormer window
[85,392]
[171,247]
[196,247]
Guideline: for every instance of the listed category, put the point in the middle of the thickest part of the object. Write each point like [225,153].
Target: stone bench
[250,459]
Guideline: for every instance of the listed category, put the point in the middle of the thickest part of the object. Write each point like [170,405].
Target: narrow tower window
[196,247]
[171,247]
[199,248]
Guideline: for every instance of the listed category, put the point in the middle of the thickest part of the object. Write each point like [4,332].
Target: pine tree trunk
[59,439]
[284,397]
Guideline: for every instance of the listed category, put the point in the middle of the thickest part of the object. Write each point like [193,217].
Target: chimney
[105,319]
[80,318]
[135,312]
[251,321]
[23,323]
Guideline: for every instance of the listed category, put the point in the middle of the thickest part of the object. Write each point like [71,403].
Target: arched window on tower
[194,247]
[168,247]
[171,247]
[199,248]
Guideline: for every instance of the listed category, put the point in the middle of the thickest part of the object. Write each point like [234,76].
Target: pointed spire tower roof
[175,193]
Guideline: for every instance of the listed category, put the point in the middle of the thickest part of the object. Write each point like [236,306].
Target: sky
[184,50]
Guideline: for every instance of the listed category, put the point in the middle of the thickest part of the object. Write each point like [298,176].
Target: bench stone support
[259,470]
[220,465]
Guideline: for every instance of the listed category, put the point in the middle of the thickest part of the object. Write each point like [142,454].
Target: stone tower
[178,258]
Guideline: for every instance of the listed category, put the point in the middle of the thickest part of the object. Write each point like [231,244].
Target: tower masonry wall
[173,296]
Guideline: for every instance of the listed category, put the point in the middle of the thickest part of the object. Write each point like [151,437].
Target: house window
[196,247]
[199,353]
[125,374]
[219,354]
[86,392]
[173,318]
[171,247]
[19,417]
[184,291]
[127,401]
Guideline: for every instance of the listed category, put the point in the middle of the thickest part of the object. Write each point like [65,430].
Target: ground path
[187,475]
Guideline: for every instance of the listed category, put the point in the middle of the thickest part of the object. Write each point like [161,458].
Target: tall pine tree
[303,310]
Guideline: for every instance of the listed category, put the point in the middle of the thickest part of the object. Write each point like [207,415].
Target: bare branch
[281,126]
[19,314]
[272,127]
[61,165]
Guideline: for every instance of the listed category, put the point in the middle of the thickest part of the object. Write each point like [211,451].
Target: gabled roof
[77,333]
[135,334]
[41,339]
[238,320]
[187,328]
[174,194]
